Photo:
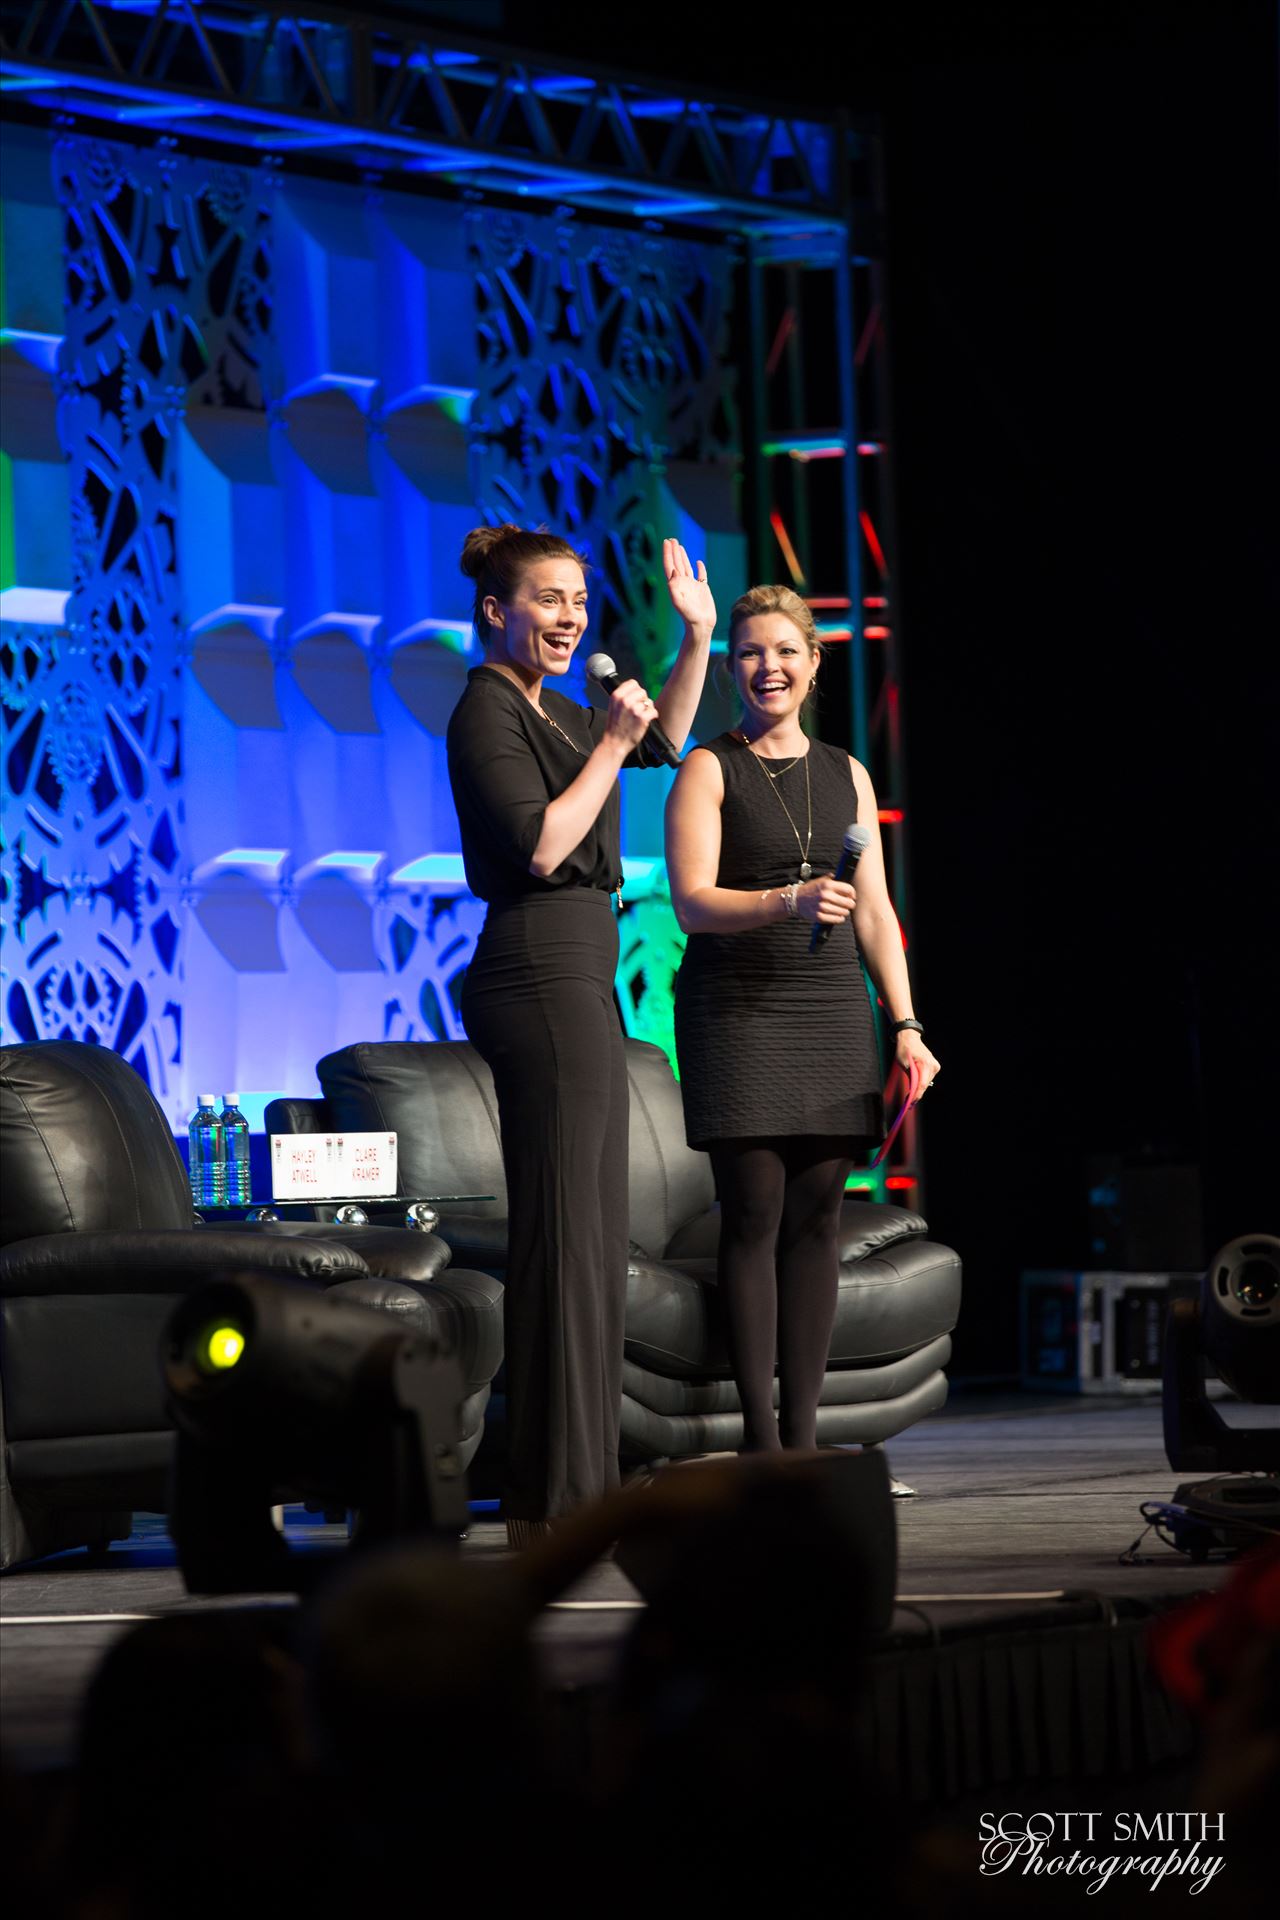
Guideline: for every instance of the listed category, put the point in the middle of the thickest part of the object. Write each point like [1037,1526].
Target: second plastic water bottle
[207,1164]
[235,1135]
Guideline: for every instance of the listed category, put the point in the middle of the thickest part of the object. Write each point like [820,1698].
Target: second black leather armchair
[97,1242]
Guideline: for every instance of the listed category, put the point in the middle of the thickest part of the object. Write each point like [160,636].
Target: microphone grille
[856,839]
[600,666]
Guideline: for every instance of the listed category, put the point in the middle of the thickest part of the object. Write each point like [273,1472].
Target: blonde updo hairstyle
[497,559]
[776,599]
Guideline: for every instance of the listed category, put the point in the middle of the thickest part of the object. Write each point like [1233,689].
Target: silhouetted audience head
[424,1704]
[190,1765]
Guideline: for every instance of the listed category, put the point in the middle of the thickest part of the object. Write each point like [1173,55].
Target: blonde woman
[777,1048]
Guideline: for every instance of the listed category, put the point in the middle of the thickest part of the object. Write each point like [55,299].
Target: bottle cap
[206,1099]
[231,1099]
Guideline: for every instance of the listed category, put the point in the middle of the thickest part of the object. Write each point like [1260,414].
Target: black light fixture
[1235,1327]
[281,1390]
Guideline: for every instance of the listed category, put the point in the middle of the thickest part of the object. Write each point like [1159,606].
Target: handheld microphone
[605,674]
[856,841]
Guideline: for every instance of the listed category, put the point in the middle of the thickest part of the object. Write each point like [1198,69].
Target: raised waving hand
[690,593]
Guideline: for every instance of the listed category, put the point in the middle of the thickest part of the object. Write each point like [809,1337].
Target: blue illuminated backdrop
[247,419]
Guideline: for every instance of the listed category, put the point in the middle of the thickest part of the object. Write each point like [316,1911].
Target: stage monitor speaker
[280,1390]
[811,1517]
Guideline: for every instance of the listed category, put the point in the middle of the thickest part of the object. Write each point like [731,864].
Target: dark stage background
[1082,244]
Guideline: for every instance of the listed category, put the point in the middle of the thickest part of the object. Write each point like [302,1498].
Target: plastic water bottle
[207,1158]
[235,1138]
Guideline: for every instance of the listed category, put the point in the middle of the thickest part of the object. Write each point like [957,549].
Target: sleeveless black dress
[772,1040]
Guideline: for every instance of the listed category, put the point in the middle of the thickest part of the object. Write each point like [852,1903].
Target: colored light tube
[873,541]
[788,551]
[808,446]
[780,339]
[674,209]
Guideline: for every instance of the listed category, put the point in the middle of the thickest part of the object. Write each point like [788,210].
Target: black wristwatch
[903,1026]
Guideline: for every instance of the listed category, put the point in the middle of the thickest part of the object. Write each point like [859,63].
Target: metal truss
[820,449]
[381,96]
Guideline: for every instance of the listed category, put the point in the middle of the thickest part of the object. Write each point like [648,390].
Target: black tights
[778,1271]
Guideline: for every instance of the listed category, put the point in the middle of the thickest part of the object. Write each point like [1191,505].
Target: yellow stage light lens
[219,1348]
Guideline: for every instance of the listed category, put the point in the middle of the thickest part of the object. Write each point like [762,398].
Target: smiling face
[538,630]
[773,666]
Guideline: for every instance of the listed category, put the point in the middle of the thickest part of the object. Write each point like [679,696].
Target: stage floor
[1024,1505]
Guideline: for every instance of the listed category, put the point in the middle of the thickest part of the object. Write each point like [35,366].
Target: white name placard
[364,1163]
[324,1166]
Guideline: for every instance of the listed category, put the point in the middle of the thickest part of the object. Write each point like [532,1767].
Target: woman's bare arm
[879,934]
[691,598]
[693,861]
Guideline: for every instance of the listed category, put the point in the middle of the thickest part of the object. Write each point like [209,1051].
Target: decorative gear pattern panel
[166,301]
[601,358]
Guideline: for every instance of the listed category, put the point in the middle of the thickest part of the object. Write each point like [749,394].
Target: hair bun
[479,545]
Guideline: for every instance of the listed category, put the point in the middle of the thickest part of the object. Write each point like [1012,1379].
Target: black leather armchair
[899,1290]
[97,1242]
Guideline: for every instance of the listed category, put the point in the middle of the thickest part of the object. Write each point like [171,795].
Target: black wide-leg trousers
[538,1006]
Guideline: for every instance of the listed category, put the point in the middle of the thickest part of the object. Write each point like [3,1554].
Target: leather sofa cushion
[865,1226]
[289,1115]
[669,1184]
[81,1364]
[84,1145]
[79,1470]
[98,1264]
[461,1310]
[476,1240]
[845,1386]
[476,1299]
[438,1098]
[647,1435]
[397,1253]
[889,1304]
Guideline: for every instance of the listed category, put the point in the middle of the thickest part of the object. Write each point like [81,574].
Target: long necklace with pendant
[557,728]
[805,869]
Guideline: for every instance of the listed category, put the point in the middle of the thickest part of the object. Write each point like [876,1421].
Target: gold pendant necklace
[805,869]
[557,728]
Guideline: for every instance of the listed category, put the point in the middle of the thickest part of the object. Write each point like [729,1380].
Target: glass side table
[420,1211]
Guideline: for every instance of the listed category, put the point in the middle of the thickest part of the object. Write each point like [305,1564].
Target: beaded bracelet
[789,900]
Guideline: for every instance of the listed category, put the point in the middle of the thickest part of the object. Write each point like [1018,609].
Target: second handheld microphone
[602,670]
[856,841]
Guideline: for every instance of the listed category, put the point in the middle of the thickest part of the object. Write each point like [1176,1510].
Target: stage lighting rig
[1235,1327]
[279,1391]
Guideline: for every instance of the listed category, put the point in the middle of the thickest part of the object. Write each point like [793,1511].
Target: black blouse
[506,762]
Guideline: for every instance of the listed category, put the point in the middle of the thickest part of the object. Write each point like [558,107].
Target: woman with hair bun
[779,1068]
[535,783]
